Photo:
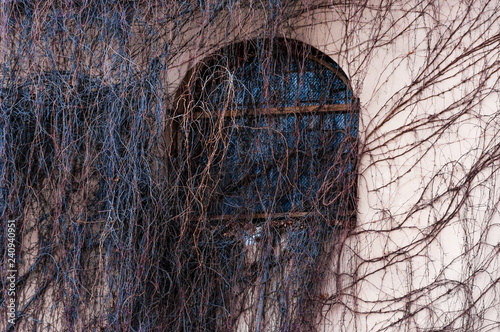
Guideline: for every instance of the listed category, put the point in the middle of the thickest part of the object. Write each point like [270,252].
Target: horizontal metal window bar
[335,108]
[276,216]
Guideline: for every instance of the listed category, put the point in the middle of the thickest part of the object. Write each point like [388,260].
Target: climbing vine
[127,130]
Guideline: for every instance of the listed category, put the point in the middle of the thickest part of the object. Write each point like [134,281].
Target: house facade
[251,166]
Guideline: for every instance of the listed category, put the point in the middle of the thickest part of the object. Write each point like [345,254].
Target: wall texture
[105,237]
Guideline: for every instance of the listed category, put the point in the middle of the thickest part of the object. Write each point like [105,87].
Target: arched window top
[269,74]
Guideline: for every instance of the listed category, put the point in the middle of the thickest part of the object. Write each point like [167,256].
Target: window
[47,110]
[55,123]
[270,133]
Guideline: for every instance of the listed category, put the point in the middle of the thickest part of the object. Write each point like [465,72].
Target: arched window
[270,132]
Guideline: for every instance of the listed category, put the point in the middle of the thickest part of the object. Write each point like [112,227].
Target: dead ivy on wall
[122,127]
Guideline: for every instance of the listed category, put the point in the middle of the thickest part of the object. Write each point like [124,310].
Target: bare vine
[112,177]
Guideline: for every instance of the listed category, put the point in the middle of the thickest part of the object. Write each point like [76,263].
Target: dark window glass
[273,131]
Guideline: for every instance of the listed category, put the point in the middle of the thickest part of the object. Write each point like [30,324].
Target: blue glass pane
[267,162]
[281,81]
[271,163]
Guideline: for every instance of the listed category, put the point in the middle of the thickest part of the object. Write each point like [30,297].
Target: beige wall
[410,253]
[429,96]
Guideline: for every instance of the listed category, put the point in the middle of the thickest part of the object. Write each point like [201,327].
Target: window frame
[183,113]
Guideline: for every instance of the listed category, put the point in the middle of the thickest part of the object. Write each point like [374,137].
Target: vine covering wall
[112,231]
